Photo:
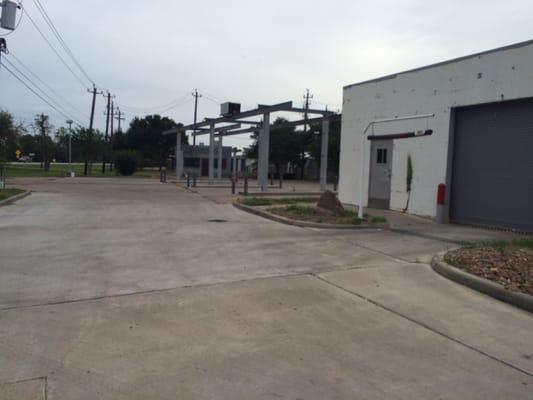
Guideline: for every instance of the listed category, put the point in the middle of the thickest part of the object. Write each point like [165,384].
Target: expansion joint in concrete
[423,325]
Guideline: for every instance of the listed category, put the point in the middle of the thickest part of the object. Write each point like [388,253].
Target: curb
[302,224]
[14,198]
[482,285]
[273,194]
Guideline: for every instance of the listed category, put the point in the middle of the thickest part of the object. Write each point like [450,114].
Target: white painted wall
[505,74]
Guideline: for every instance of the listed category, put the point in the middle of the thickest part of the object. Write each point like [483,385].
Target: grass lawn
[263,201]
[7,193]
[34,170]
[313,214]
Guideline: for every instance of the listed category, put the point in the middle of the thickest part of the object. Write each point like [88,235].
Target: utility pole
[94,91]
[106,131]
[111,137]
[119,117]
[307,98]
[196,96]
[69,122]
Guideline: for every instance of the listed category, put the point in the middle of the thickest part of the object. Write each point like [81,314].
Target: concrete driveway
[124,288]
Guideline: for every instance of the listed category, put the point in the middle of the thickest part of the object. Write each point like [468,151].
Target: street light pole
[69,122]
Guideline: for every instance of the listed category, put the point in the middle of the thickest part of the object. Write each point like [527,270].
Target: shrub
[126,162]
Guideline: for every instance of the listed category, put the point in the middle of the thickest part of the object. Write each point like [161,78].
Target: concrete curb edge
[482,285]
[14,198]
[302,224]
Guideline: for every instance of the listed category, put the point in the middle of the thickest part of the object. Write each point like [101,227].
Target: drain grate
[217,220]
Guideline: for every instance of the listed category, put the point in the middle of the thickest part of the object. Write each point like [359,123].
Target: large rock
[329,201]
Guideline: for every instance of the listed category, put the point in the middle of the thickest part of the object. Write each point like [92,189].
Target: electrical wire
[60,39]
[38,95]
[52,100]
[53,49]
[71,106]
[165,107]
[18,23]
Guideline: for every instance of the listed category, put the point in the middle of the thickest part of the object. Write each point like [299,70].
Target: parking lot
[116,288]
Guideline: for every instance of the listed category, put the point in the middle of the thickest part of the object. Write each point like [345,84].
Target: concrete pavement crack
[423,325]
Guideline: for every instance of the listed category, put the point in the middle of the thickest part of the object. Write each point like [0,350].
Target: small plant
[409,180]
[356,221]
[256,201]
[7,193]
[499,244]
[126,162]
[378,220]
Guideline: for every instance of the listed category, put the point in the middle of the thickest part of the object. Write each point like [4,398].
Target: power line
[165,107]
[56,103]
[60,39]
[73,108]
[53,48]
[38,95]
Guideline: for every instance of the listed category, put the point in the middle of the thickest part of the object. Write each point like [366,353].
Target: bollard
[163,175]
[194,179]
[233,185]
[188,180]
[246,182]
[441,198]
[2,177]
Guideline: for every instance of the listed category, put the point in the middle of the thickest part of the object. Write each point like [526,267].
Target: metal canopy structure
[232,125]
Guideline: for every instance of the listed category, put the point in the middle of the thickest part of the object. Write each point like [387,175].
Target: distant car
[25,159]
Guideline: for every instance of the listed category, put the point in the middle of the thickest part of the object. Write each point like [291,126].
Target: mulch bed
[511,266]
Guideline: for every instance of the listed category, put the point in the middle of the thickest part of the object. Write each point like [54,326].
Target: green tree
[284,145]
[61,146]
[10,133]
[43,127]
[87,145]
[334,145]
[145,135]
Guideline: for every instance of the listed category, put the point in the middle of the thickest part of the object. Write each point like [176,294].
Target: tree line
[297,147]
[46,143]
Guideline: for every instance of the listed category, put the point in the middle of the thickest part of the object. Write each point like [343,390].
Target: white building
[481,146]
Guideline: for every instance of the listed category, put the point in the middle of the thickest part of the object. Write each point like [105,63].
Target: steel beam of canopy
[179,157]
[212,154]
[324,155]
[257,123]
[286,124]
[219,162]
[263,152]
[246,114]
[310,111]
[217,130]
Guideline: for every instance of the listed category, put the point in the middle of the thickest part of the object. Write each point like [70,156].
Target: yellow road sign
[18,153]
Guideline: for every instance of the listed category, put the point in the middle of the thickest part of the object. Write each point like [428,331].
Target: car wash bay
[492,173]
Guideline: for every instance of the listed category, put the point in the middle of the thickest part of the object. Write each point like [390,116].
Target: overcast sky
[154,53]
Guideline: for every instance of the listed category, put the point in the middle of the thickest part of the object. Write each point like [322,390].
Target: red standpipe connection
[441,194]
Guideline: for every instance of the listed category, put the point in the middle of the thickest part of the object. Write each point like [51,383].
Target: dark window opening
[189,162]
[382,156]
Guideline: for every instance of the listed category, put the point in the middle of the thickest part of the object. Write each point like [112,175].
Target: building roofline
[391,76]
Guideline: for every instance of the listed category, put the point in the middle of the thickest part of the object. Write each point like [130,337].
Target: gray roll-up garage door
[492,175]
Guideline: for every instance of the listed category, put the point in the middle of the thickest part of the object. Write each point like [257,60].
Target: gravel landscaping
[509,264]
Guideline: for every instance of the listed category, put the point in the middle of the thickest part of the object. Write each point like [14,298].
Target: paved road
[122,288]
